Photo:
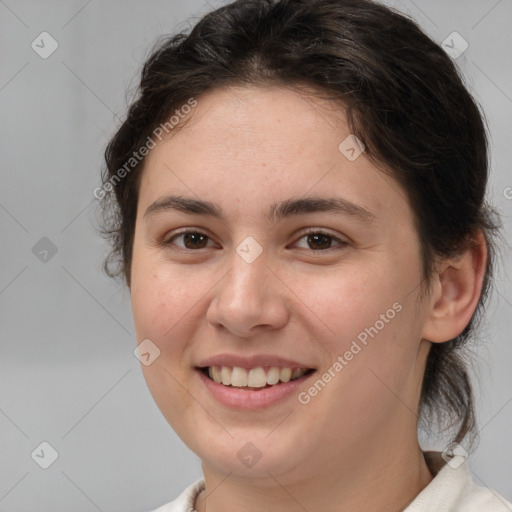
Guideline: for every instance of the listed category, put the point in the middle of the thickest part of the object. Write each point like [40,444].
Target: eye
[316,239]
[192,239]
[319,240]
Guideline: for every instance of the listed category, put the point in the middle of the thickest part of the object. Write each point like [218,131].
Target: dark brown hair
[405,101]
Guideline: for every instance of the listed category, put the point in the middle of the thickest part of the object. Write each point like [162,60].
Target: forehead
[248,145]
[262,125]
[277,117]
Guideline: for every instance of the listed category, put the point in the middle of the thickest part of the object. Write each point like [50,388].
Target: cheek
[150,305]
[166,387]
[163,299]
[163,311]
[371,317]
[347,300]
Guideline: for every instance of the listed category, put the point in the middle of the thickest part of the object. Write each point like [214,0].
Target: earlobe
[456,293]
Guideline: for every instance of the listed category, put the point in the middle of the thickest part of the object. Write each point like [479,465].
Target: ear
[455,292]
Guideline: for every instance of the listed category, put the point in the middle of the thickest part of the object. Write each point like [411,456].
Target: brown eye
[191,240]
[321,241]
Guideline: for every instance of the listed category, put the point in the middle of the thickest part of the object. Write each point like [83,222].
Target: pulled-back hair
[404,99]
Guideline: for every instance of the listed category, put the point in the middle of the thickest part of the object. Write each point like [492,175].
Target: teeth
[298,372]
[253,378]
[239,377]
[257,378]
[285,375]
[226,375]
[215,374]
[273,375]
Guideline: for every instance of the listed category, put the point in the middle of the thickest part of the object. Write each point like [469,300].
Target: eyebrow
[277,211]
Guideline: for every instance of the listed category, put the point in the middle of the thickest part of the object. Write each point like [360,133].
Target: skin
[354,446]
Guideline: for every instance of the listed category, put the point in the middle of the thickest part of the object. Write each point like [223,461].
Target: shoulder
[185,501]
[477,498]
[453,490]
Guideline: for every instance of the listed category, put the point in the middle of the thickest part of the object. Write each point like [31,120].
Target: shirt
[451,490]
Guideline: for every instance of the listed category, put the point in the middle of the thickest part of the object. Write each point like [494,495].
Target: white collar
[451,490]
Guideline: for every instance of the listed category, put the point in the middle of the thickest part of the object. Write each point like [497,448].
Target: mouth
[254,379]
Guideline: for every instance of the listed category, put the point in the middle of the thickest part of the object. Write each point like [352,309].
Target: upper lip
[250,361]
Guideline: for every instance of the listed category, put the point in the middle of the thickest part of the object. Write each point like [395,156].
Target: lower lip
[252,399]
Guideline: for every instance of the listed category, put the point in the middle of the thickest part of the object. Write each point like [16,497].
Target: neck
[374,480]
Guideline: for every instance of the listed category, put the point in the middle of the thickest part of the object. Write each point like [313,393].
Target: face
[251,295]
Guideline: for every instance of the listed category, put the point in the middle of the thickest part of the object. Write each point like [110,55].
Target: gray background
[67,371]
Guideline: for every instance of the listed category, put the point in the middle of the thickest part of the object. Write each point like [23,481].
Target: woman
[299,212]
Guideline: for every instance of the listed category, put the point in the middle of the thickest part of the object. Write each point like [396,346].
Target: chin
[251,455]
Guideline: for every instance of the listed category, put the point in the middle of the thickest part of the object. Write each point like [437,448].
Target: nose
[250,299]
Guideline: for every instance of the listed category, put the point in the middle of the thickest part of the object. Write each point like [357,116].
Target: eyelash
[341,243]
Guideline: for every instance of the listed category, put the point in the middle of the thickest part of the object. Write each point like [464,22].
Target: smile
[253,378]
[252,388]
